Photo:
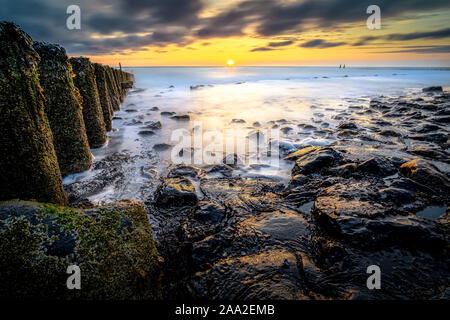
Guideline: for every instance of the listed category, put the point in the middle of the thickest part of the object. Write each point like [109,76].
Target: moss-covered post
[92,111]
[104,96]
[112,88]
[63,109]
[28,165]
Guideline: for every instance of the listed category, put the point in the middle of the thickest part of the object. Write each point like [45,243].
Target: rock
[432,89]
[63,109]
[347,125]
[153,125]
[427,174]
[315,162]
[345,170]
[28,164]
[389,133]
[396,195]
[256,124]
[237,121]
[377,166]
[154,109]
[286,130]
[301,152]
[183,117]
[146,132]
[183,170]
[233,160]
[211,213]
[104,95]
[167,113]
[112,245]
[162,146]
[92,110]
[176,192]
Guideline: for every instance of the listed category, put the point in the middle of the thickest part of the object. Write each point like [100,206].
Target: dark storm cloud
[431,49]
[437,34]
[444,33]
[177,22]
[261,49]
[280,44]
[320,43]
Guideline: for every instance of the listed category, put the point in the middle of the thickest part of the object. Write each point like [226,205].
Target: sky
[249,32]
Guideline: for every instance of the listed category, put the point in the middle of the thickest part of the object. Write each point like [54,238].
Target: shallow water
[291,96]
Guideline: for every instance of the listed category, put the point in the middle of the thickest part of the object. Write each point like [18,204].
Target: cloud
[115,26]
[280,44]
[430,49]
[320,43]
[262,49]
[443,33]
[437,34]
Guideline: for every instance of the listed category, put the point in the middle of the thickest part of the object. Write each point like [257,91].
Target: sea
[288,106]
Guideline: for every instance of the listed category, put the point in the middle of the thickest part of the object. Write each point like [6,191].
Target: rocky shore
[376,195]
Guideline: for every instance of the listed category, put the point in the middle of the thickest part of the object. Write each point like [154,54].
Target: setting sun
[230,62]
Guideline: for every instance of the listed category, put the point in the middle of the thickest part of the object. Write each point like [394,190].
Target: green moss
[28,164]
[64,110]
[112,245]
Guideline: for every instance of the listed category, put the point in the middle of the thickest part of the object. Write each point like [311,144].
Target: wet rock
[63,109]
[183,170]
[286,130]
[396,195]
[427,128]
[113,246]
[432,89]
[347,125]
[222,169]
[29,167]
[427,174]
[316,161]
[154,109]
[389,133]
[211,213]
[377,166]
[237,121]
[176,192]
[92,110]
[256,124]
[233,160]
[301,152]
[146,132]
[153,125]
[167,113]
[345,170]
[162,146]
[104,95]
[437,137]
[183,117]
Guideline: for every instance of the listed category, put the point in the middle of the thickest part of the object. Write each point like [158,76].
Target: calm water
[291,96]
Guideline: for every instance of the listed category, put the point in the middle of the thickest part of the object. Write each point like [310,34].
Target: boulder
[112,245]
[377,166]
[176,192]
[92,110]
[28,164]
[63,109]
[316,161]
[427,174]
[432,89]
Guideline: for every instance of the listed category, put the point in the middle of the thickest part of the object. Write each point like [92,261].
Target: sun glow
[230,63]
